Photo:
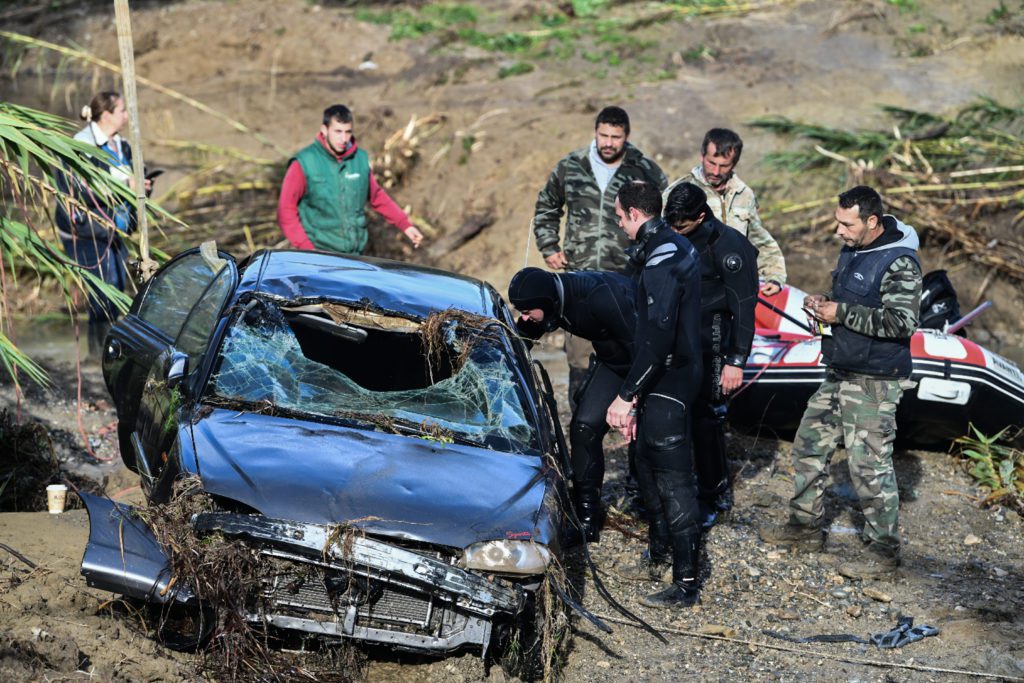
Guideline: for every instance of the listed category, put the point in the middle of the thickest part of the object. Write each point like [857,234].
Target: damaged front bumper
[323,582]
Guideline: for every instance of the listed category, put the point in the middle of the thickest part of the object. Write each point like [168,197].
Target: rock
[754,572]
[766,499]
[604,664]
[971,539]
[840,593]
[855,611]
[1000,573]
[789,615]
[878,595]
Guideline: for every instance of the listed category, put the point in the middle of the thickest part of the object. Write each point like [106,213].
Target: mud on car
[307,393]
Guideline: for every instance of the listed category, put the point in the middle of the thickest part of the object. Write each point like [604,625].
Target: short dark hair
[866,199]
[337,112]
[640,195]
[726,142]
[613,116]
[685,202]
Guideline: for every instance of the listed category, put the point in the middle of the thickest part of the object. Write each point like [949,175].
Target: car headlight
[507,557]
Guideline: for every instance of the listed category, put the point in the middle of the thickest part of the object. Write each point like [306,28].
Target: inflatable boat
[957,382]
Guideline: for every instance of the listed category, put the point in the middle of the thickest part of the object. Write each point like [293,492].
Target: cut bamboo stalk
[122,17]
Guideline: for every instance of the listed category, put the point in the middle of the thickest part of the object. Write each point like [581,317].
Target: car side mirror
[177,369]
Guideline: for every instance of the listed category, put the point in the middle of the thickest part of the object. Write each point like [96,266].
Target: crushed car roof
[388,285]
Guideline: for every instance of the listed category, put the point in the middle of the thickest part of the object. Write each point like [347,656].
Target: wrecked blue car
[309,392]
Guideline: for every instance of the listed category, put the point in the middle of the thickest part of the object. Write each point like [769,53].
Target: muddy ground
[830,61]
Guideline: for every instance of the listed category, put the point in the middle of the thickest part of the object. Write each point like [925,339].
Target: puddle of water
[52,339]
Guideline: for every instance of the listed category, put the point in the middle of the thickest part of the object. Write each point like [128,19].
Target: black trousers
[709,412]
[664,456]
[589,427]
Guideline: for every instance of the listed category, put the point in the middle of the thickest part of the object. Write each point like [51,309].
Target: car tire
[183,628]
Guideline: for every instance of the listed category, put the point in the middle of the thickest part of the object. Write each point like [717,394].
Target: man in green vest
[326,188]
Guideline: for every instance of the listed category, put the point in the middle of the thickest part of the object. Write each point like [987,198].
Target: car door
[140,346]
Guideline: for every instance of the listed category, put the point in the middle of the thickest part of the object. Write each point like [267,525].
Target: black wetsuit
[601,308]
[728,295]
[664,377]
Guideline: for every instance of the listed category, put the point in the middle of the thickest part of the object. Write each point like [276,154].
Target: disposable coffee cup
[56,496]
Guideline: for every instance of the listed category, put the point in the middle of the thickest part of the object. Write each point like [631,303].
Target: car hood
[388,484]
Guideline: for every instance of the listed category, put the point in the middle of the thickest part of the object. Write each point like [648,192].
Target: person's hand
[732,378]
[556,261]
[414,235]
[771,288]
[826,311]
[621,416]
[813,300]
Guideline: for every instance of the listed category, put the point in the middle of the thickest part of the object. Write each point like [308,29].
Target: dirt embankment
[275,65]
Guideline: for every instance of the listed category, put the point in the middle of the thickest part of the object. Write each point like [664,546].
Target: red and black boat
[957,381]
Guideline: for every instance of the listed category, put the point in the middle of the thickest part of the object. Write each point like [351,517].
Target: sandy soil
[831,61]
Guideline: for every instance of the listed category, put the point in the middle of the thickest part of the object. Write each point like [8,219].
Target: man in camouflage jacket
[733,202]
[872,309]
[584,186]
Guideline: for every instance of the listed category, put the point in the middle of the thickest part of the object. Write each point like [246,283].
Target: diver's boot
[590,513]
[656,562]
[797,537]
[684,590]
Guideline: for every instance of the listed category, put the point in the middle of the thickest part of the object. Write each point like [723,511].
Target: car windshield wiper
[349,419]
[438,433]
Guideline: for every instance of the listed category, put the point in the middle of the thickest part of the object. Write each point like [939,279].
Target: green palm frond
[35,147]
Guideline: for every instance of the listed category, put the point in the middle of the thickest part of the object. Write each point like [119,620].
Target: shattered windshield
[446,378]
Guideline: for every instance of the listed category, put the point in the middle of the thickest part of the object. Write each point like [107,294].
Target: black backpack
[939,304]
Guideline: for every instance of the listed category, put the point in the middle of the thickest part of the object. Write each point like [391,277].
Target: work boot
[684,590]
[795,536]
[877,561]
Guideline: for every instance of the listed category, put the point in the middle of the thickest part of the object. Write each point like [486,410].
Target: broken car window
[174,292]
[456,385]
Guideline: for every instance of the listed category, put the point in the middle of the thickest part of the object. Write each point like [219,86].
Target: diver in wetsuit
[653,405]
[600,308]
[728,296]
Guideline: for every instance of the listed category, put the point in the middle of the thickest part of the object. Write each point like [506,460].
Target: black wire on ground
[549,399]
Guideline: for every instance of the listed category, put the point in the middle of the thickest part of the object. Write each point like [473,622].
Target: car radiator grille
[377,600]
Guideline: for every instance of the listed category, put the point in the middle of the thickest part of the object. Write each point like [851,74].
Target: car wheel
[183,628]
[533,647]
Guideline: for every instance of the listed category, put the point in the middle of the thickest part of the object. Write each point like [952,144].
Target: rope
[818,654]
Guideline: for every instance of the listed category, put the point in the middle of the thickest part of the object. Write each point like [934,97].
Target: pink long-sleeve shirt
[294,187]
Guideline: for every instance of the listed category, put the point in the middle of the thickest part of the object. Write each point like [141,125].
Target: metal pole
[125,45]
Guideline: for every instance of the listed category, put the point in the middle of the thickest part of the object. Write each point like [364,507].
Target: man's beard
[722,182]
[615,155]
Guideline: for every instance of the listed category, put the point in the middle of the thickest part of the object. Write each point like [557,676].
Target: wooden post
[125,44]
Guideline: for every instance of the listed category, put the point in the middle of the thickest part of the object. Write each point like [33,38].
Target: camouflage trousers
[860,412]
